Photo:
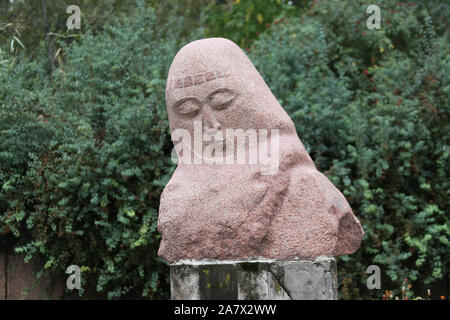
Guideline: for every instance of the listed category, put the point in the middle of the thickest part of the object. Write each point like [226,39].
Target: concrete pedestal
[254,280]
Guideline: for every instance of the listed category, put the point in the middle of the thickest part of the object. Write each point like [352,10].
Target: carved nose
[210,120]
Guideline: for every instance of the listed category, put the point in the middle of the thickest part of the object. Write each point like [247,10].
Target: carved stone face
[212,82]
[210,104]
[231,212]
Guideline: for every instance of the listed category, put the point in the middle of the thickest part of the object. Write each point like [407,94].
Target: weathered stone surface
[254,280]
[22,285]
[308,280]
[280,207]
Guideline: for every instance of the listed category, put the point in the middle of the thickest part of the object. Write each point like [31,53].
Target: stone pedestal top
[262,279]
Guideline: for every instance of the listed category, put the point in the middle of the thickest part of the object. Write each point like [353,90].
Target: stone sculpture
[272,203]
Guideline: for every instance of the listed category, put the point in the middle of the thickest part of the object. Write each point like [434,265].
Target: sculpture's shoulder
[314,219]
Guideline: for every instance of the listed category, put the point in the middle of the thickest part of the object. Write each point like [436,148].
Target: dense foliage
[372,109]
[85,147]
[84,158]
[243,21]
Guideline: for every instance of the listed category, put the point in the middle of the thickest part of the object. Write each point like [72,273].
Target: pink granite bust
[244,186]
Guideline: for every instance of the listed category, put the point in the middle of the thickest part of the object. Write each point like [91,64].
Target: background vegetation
[85,146]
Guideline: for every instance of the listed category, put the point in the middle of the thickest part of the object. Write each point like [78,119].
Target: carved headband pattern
[192,80]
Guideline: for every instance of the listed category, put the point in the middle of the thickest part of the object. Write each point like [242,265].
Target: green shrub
[91,161]
[371,107]
[243,21]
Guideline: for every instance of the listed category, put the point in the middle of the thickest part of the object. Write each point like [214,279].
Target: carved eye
[188,107]
[221,98]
